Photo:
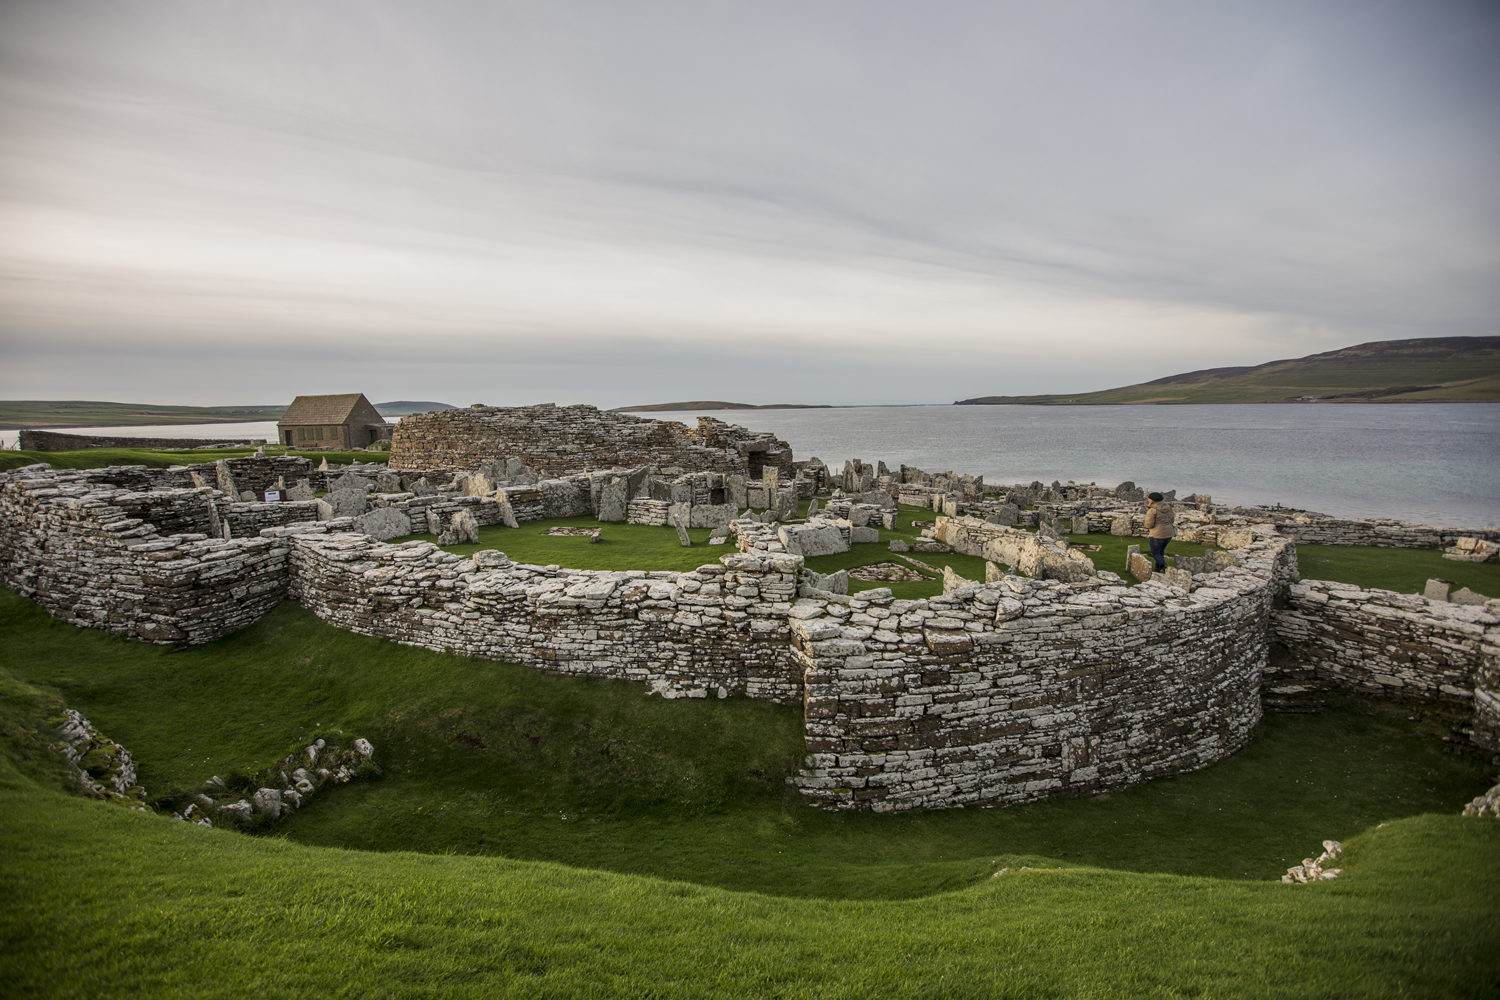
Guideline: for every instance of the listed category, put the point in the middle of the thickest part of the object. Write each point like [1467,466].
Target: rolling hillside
[1436,370]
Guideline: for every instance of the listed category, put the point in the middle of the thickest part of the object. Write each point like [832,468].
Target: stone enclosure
[1052,678]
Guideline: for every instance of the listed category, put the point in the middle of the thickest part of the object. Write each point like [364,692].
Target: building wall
[557,440]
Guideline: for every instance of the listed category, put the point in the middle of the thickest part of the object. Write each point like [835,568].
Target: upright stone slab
[508,515]
[709,515]
[383,523]
[613,501]
[350,481]
[828,583]
[812,506]
[863,536]
[301,491]
[1140,566]
[325,510]
[1437,590]
[226,482]
[347,503]
[682,535]
[388,482]
[1121,526]
[734,491]
[1179,578]
[1080,524]
[216,527]
[423,488]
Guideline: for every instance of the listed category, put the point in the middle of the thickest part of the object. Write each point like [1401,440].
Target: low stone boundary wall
[56,441]
[1385,643]
[720,630]
[77,552]
[1019,689]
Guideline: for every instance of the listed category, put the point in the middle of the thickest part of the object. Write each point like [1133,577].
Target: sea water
[1437,463]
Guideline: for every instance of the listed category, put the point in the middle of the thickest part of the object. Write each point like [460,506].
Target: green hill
[92,413]
[1433,370]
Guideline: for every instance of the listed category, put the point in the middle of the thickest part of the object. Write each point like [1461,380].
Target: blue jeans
[1159,551]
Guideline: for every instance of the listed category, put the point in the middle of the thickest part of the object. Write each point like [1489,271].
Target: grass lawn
[546,836]
[637,546]
[99,458]
[1403,570]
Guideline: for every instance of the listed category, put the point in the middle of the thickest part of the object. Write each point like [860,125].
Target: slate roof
[321,409]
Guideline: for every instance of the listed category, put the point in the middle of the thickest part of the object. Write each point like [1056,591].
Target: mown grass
[637,546]
[1405,571]
[100,458]
[1159,890]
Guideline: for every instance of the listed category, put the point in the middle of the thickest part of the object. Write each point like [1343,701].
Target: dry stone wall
[1385,643]
[719,630]
[76,551]
[556,440]
[1022,688]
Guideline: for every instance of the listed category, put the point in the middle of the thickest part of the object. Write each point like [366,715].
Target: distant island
[719,404]
[1435,370]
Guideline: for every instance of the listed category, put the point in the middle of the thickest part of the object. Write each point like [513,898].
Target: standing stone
[434,522]
[888,520]
[734,490]
[508,515]
[383,523]
[462,530]
[216,528]
[226,482]
[1140,566]
[325,510]
[812,506]
[347,503]
[786,504]
[680,513]
[1080,524]
[614,500]
[197,480]
[1179,578]
[514,467]
[992,573]
[682,535]
[388,482]
[952,581]
[828,583]
[1437,590]
[863,536]
[423,488]
[301,491]
[323,465]
[1121,526]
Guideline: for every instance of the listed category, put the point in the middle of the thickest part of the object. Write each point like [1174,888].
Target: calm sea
[1438,463]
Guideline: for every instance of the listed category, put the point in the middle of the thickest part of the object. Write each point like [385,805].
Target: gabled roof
[322,409]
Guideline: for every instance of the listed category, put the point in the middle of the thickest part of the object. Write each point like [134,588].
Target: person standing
[1161,528]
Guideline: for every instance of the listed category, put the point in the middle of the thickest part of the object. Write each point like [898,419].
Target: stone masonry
[557,440]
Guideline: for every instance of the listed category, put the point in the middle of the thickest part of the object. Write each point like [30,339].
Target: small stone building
[342,423]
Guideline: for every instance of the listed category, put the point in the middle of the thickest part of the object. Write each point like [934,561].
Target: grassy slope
[1455,369]
[489,758]
[92,413]
[100,458]
[100,901]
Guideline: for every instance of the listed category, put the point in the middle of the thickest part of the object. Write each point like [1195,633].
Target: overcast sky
[842,202]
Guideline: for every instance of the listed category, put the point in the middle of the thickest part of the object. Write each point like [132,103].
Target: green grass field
[547,836]
[635,546]
[100,458]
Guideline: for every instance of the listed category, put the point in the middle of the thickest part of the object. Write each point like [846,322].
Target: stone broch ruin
[1052,678]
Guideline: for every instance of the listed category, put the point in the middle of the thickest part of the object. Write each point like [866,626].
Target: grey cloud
[942,201]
